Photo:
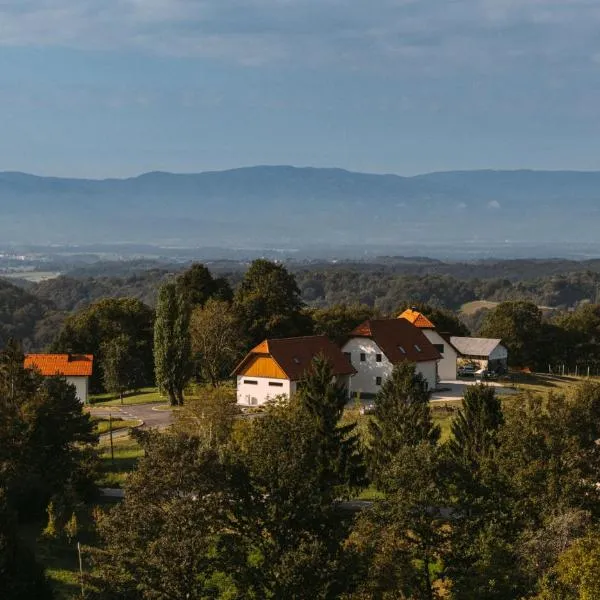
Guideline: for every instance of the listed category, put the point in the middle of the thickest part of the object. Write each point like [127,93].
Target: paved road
[159,419]
[454,389]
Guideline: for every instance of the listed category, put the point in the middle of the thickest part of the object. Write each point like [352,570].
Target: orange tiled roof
[69,365]
[418,319]
[295,355]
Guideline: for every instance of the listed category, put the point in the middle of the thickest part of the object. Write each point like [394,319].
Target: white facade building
[276,368]
[375,346]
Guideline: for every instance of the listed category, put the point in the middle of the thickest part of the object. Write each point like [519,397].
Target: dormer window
[296,360]
[418,348]
[401,348]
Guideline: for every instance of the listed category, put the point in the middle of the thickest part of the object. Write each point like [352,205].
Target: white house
[488,353]
[276,367]
[448,363]
[376,345]
[76,368]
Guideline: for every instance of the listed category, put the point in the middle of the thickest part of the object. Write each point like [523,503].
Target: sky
[114,88]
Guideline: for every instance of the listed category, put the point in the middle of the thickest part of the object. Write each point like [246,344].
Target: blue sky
[102,88]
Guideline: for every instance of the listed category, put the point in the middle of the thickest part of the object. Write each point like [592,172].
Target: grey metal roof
[471,346]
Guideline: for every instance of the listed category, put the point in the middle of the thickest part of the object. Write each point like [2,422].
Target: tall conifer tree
[172,352]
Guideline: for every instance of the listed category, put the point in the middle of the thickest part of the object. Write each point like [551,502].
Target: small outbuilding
[76,368]
[487,353]
[276,367]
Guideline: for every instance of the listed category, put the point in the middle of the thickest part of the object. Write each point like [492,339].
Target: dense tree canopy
[93,330]
[269,304]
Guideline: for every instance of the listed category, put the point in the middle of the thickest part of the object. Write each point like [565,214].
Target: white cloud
[388,33]
[494,204]
[461,205]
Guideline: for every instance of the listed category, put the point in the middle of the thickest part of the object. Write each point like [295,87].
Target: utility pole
[80,570]
[110,435]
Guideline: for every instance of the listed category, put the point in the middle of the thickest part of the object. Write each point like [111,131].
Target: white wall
[249,394]
[365,381]
[81,387]
[447,365]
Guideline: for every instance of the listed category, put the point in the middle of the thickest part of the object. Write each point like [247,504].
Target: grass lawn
[470,308]
[143,396]
[103,424]
[542,383]
[126,454]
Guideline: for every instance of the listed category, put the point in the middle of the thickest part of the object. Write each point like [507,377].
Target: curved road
[153,419]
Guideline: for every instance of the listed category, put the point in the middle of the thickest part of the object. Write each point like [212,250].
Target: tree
[518,325]
[302,533]
[91,331]
[475,428]
[198,286]
[172,352]
[402,417]
[217,339]
[269,304]
[46,438]
[404,537]
[339,461]
[21,577]
[337,321]
[575,576]
[122,368]
[182,529]
[211,417]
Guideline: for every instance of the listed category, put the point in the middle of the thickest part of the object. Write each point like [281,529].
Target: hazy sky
[116,87]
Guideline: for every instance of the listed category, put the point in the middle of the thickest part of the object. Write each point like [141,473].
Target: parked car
[485,374]
[466,371]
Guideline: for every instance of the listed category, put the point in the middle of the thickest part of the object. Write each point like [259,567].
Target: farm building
[375,346]
[448,363]
[76,368]
[276,367]
[487,353]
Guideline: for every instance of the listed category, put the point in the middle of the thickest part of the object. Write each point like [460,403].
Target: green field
[114,473]
[143,396]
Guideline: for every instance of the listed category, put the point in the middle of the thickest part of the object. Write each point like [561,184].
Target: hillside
[300,207]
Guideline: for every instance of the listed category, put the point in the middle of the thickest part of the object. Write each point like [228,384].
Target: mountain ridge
[284,204]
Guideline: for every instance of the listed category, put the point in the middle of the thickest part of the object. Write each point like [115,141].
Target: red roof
[418,319]
[295,355]
[69,365]
[398,339]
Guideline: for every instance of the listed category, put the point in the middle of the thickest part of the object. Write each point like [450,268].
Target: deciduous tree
[217,339]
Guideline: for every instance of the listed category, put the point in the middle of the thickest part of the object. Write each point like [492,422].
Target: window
[363,357]
[276,383]
[251,381]
[378,357]
[348,355]
[401,348]
[377,380]
[418,348]
[439,348]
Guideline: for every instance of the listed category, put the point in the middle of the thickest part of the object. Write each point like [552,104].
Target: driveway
[148,413]
[454,389]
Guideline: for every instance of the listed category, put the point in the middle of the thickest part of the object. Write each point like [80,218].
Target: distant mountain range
[289,207]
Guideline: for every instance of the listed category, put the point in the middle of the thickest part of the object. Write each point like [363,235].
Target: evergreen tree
[172,349]
[339,460]
[402,417]
[21,577]
[475,428]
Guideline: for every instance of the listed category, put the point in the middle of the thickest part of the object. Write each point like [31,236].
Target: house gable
[262,366]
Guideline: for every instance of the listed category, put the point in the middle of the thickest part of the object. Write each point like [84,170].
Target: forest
[312,499]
